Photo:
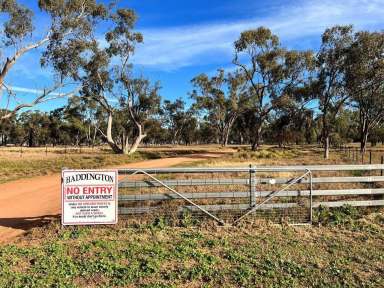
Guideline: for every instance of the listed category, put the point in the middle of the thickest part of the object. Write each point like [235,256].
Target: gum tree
[102,67]
[127,101]
[365,81]
[175,118]
[221,99]
[271,73]
[329,87]
[70,24]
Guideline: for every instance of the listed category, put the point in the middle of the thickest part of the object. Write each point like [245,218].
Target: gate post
[252,186]
[310,196]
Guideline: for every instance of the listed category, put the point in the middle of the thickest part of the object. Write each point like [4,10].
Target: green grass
[348,255]
[19,168]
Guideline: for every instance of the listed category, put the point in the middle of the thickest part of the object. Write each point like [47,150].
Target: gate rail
[365,187]
[179,194]
[275,193]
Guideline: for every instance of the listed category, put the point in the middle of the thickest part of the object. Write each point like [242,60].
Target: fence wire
[222,195]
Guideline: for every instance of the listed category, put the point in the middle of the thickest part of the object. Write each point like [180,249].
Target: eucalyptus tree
[109,81]
[270,71]
[292,122]
[377,135]
[35,127]
[57,132]
[346,126]
[157,134]
[75,116]
[6,127]
[221,99]
[175,118]
[189,133]
[71,23]
[329,86]
[365,81]
[141,101]
[242,127]
[103,67]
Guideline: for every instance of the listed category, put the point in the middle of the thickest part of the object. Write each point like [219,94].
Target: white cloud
[31,91]
[173,48]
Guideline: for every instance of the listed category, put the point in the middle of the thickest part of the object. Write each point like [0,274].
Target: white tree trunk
[326,147]
[110,140]
[138,140]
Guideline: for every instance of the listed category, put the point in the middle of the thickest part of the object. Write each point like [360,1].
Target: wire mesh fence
[275,203]
[185,195]
[226,195]
[285,194]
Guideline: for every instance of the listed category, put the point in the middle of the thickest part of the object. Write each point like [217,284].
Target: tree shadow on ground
[26,223]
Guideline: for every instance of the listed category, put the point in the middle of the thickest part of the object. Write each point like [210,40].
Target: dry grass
[33,153]
[16,162]
[36,163]
[298,155]
[39,153]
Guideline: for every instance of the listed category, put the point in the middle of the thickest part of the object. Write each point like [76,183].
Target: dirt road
[31,202]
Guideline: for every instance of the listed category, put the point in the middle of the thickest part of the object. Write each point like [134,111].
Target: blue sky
[185,38]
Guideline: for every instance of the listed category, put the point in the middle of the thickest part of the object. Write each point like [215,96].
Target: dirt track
[28,203]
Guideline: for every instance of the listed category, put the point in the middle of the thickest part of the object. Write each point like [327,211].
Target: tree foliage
[221,99]
[272,94]
[365,80]
[272,73]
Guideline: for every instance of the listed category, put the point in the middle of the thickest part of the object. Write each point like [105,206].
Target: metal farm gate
[282,194]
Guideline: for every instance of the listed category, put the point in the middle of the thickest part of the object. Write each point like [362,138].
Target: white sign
[89,197]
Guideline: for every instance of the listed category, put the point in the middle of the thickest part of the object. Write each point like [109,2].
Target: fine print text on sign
[89,197]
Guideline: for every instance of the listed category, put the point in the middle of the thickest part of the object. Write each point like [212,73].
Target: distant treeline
[76,124]
[271,94]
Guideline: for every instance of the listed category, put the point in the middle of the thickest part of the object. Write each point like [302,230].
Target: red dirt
[31,202]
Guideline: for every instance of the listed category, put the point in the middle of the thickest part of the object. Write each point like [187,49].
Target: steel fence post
[310,197]
[252,186]
[61,195]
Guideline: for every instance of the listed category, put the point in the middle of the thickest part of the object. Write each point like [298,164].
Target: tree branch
[11,61]
[40,99]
